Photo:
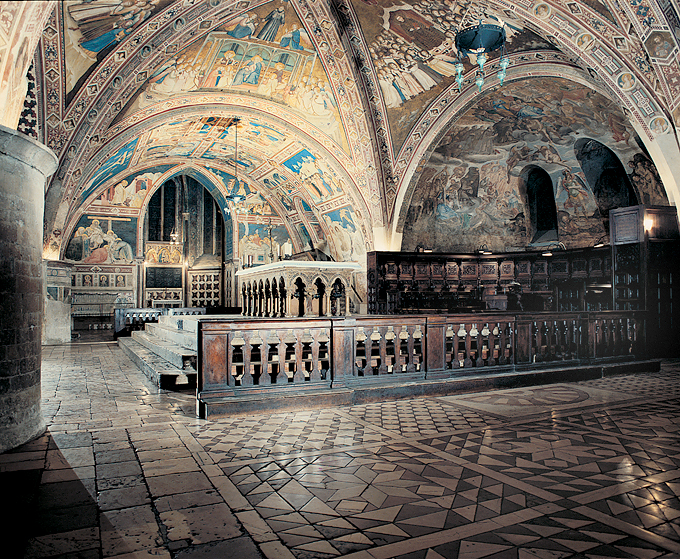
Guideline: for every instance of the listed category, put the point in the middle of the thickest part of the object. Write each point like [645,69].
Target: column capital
[28,151]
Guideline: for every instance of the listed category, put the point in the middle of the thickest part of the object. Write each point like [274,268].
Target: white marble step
[184,338]
[179,356]
[158,370]
[186,323]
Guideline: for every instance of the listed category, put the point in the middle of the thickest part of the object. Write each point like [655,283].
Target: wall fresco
[472,190]
[345,238]
[319,179]
[103,240]
[214,138]
[129,192]
[115,164]
[254,241]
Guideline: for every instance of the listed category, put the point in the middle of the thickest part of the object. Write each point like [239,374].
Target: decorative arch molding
[222,105]
[225,105]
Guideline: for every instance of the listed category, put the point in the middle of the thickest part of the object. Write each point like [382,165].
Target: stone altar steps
[166,351]
[170,333]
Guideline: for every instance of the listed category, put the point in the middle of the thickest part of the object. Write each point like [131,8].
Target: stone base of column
[20,416]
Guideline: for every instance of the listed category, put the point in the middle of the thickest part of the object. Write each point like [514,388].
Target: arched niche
[184,244]
[537,188]
[605,175]
[183,212]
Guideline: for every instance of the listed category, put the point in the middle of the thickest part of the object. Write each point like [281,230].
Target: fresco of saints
[119,250]
[577,194]
[244,28]
[102,25]
[291,40]
[275,19]
[250,73]
[414,28]
[661,48]
[223,73]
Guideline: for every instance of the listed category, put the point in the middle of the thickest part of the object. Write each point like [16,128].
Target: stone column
[25,165]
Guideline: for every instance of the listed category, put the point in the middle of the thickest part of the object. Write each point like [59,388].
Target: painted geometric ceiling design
[357,90]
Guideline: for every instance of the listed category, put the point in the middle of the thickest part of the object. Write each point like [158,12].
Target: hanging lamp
[479,40]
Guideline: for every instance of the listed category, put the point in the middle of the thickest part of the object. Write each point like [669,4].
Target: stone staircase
[166,351]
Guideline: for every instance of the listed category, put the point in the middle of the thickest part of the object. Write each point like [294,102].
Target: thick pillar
[24,167]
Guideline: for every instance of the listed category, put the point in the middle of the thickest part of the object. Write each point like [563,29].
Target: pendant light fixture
[479,40]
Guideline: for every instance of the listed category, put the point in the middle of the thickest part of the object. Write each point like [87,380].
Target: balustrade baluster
[632,336]
[535,339]
[474,346]
[404,358]
[545,341]
[607,338]
[449,353]
[299,376]
[290,358]
[361,352]
[390,357]
[273,362]
[496,352]
[382,352]
[236,359]
[484,351]
[282,376]
[462,343]
[247,377]
[255,367]
[309,359]
[560,349]
[508,355]
[417,348]
[323,357]
[468,351]
[373,352]
[620,338]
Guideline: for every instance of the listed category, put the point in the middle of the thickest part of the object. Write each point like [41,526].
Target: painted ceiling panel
[266,53]
[93,28]
[413,51]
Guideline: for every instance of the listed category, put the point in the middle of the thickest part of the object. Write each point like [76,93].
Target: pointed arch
[537,188]
[606,176]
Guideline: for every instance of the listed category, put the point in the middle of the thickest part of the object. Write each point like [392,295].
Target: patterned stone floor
[571,470]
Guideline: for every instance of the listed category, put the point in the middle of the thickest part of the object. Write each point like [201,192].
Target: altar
[294,288]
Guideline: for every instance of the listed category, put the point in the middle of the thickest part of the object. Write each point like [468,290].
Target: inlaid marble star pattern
[591,471]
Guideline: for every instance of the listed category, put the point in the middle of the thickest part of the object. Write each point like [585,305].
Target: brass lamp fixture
[554,247]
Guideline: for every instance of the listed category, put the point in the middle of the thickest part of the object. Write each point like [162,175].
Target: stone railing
[293,288]
[240,357]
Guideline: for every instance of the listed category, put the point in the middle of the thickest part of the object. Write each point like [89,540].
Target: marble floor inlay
[566,471]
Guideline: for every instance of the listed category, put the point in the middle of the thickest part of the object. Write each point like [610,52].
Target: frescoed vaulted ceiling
[323,107]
